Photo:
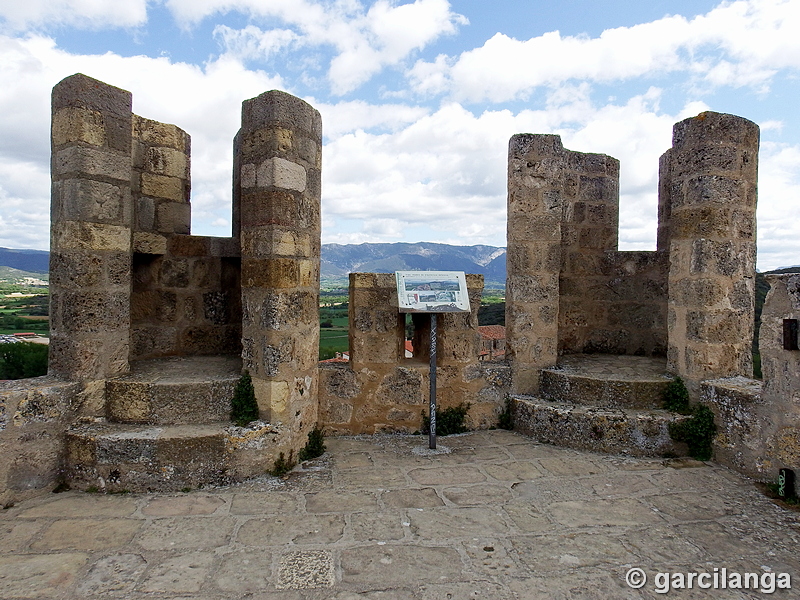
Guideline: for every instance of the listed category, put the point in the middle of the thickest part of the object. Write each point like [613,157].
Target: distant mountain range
[34,261]
[340,259]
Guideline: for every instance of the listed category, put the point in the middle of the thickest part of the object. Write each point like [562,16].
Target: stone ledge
[614,431]
[612,382]
[143,458]
[175,390]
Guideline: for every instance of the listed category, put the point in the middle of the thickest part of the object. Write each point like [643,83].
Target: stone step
[116,457]
[634,432]
[606,381]
[174,390]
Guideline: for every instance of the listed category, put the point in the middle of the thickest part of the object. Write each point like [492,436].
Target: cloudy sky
[418,99]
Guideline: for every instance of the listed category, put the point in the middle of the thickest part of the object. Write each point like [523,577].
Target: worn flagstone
[496,515]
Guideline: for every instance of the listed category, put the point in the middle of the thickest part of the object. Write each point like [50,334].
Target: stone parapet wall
[161,181]
[615,304]
[34,414]
[536,187]
[380,390]
[187,301]
[568,288]
[759,424]
[393,398]
[738,407]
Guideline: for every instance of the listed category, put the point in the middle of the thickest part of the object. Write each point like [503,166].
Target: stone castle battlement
[151,326]
[571,291]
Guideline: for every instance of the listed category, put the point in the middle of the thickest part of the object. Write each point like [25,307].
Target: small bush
[506,418]
[448,421]
[282,465]
[676,397]
[244,407]
[697,431]
[314,447]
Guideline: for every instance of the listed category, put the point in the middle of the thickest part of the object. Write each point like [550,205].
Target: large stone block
[92,201]
[275,109]
[77,124]
[533,288]
[715,128]
[91,162]
[714,188]
[74,269]
[281,208]
[81,91]
[160,134]
[92,311]
[173,217]
[274,172]
[77,235]
[167,162]
[162,186]
[281,273]
[97,357]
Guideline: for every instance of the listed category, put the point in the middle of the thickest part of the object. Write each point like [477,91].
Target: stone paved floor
[611,366]
[498,517]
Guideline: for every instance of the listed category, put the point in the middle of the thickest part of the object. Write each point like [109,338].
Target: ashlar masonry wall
[759,422]
[707,211]
[130,285]
[379,390]
[277,187]
[569,290]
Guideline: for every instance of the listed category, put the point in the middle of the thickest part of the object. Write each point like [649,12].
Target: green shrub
[314,447]
[697,431]
[676,397]
[448,421]
[244,407]
[23,359]
[282,465]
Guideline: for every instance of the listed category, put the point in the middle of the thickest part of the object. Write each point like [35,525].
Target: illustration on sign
[432,291]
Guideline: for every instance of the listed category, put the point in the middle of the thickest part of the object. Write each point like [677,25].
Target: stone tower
[707,209]
[277,187]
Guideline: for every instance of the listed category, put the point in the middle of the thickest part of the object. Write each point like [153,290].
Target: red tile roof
[492,332]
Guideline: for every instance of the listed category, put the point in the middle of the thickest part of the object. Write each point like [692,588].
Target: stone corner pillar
[711,231]
[536,168]
[90,233]
[278,156]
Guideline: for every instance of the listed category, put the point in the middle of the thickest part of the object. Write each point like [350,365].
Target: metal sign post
[432,292]
[432,404]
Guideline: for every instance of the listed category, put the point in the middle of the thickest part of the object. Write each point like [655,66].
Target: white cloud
[447,170]
[363,41]
[778,206]
[83,14]
[253,43]
[756,37]
[348,117]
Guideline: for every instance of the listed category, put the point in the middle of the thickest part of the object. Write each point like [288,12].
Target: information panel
[432,291]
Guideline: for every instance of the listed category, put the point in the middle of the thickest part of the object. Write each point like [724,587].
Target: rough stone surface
[708,202]
[759,422]
[380,390]
[569,525]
